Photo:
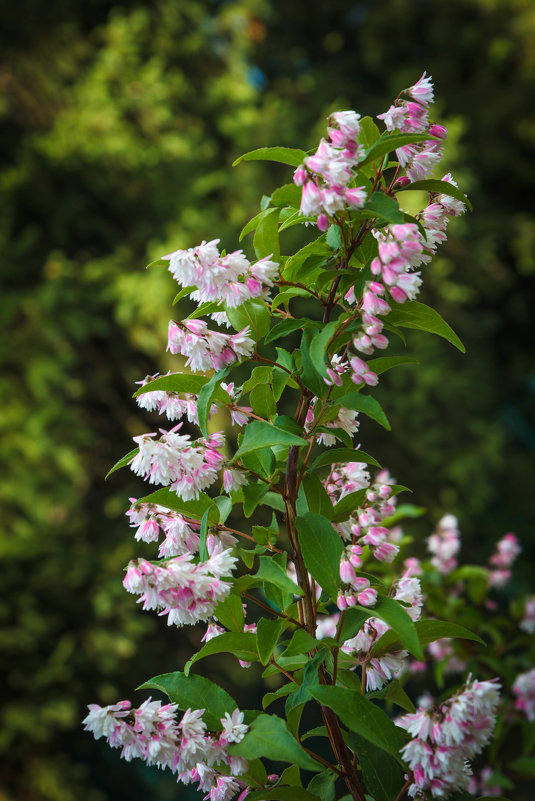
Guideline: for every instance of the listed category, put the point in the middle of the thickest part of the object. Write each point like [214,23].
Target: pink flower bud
[438,130]
[300,176]
[341,602]
[403,181]
[347,572]
[368,597]
[386,552]
[323,222]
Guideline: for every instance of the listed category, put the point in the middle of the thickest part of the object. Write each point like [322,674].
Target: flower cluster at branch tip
[446,736]
[229,279]
[325,176]
[151,733]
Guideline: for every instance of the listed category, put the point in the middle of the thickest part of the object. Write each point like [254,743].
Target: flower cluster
[180,536]
[412,116]
[173,404]
[346,420]
[524,689]
[363,527]
[151,733]
[400,249]
[184,591]
[325,176]
[205,349]
[506,551]
[229,279]
[174,459]
[444,544]
[446,736]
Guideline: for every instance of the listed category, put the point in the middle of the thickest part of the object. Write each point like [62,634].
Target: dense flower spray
[281,509]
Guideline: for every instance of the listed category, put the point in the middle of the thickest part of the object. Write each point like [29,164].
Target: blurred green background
[119,123]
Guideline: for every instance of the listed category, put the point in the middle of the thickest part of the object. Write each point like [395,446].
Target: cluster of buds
[446,736]
[506,551]
[524,689]
[229,279]
[326,175]
[184,591]
[444,544]
[153,734]
[174,459]
[205,349]
[358,590]
[412,116]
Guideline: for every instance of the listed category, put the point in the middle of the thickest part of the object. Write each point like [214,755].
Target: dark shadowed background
[119,123]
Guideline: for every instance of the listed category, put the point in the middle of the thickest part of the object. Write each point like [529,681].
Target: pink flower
[422,90]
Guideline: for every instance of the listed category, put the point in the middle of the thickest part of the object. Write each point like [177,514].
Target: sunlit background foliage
[119,125]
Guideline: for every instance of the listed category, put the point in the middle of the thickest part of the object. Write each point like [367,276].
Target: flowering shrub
[343,603]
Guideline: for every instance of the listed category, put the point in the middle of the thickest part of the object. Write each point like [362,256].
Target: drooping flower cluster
[230,279]
[363,527]
[446,736]
[528,621]
[183,590]
[400,249]
[174,459]
[506,551]
[205,349]
[151,733]
[180,536]
[325,176]
[524,689]
[444,544]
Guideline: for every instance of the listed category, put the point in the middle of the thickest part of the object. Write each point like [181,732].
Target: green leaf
[207,396]
[230,613]
[322,549]
[176,382]
[322,784]
[286,327]
[252,496]
[194,692]
[266,238]
[367,405]
[413,314]
[283,155]
[252,224]
[242,645]
[224,504]
[313,497]
[384,207]
[203,552]
[318,346]
[122,462]
[382,773]
[396,694]
[252,313]
[439,187]
[348,504]
[260,375]
[342,456]
[369,132]
[269,737]
[310,679]
[318,247]
[362,717]
[272,573]
[389,142]
[259,435]
[268,633]
[384,363]
[354,619]
[334,237]
[193,509]
[300,643]
[287,195]
[427,631]
[397,618]
[309,375]
[283,691]
[263,401]
[284,793]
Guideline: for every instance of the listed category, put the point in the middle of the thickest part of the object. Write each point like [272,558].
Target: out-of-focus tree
[118,123]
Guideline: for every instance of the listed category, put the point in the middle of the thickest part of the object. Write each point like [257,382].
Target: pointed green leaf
[342,456]
[318,346]
[438,187]
[389,142]
[283,155]
[193,509]
[272,573]
[266,238]
[384,207]
[269,737]
[122,462]
[413,314]
[300,643]
[259,435]
[365,404]
[252,313]
[176,382]
[207,396]
[242,645]
[287,195]
[194,692]
[230,613]
[348,504]
[384,363]
[268,633]
[427,631]
[397,618]
[322,548]
[382,773]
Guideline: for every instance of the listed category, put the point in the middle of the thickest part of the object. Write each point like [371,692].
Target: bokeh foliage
[119,125]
